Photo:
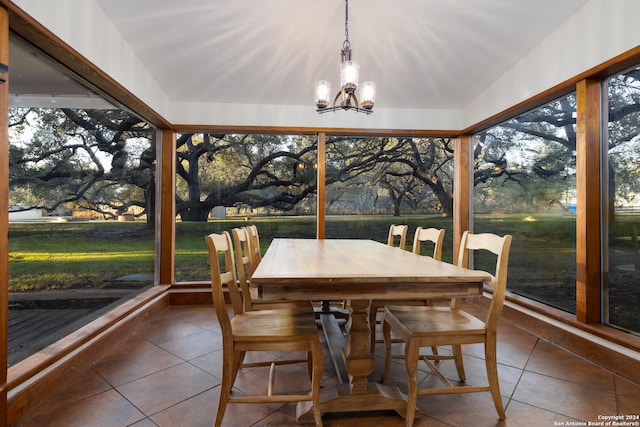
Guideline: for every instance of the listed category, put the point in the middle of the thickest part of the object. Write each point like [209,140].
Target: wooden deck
[39,319]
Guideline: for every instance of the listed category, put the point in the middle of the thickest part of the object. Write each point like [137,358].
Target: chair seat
[424,321]
[275,325]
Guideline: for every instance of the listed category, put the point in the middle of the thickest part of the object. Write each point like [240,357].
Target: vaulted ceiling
[420,53]
[423,55]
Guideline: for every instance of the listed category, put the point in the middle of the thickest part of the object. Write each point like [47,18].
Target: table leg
[360,394]
[357,351]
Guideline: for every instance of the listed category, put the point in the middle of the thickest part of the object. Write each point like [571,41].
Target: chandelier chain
[346,43]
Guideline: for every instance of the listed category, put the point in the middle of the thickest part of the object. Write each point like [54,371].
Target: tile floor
[167,374]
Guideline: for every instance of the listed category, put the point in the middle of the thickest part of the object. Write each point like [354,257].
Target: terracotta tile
[198,411]
[628,406]
[106,409]
[158,391]
[289,378]
[627,388]
[210,362]
[564,397]
[134,359]
[522,415]
[191,346]
[243,415]
[280,418]
[203,316]
[554,386]
[144,423]
[548,359]
[80,385]
[397,376]
[476,373]
[513,348]
[165,330]
[473,410]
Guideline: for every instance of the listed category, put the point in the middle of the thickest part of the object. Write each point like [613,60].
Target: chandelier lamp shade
[346,98]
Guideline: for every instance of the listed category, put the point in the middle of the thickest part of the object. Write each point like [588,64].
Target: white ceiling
[422,54]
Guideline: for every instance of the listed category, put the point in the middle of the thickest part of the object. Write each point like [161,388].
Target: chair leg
[310,364]
[492,375]
[434,351]
[411,361]
[386,333]
[316,376]
[228,377]
[457,353]
[238,358]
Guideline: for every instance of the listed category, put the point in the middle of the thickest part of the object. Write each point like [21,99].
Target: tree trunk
[396,209]
[150,204]
[195,214]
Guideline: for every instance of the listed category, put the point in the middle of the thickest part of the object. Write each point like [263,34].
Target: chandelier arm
[335,100]
[355,98]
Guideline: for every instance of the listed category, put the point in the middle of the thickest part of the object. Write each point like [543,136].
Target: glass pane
[524,185]
[373,182]
[622,295]
[81,216]
[231,180]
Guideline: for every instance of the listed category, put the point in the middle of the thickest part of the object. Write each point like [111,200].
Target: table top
[363,269]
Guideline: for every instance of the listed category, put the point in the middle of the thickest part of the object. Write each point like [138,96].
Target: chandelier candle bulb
[349,75]
[323,93]
[368,90]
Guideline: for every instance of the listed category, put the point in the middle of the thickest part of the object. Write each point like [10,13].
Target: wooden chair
[254,241]
[434,326]
[244,269]
[433,235]
[422,235]
[399,231]
[282,330]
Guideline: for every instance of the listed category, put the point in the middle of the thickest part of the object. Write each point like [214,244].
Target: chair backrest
[254,243]
[242,254]
[220,246]
[434,235]
[499,246]
[399,231]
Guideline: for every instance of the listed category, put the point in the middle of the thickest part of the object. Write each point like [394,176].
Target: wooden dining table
[357,271]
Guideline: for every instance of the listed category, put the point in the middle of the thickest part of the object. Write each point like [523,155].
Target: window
[621,291]
[232,180]
[373,182]
[524,185]
[81,222]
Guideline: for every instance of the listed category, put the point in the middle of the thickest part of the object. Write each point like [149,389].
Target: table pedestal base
[339,398]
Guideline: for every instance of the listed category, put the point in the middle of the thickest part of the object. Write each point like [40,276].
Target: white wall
[599,31]
[305,116]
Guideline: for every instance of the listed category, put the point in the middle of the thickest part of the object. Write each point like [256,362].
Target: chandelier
[346,98]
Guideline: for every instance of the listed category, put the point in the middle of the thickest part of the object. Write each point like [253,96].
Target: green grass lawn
[78,255]
[542,263]
[97,254]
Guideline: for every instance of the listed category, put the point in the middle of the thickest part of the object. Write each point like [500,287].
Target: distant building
[17,213]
